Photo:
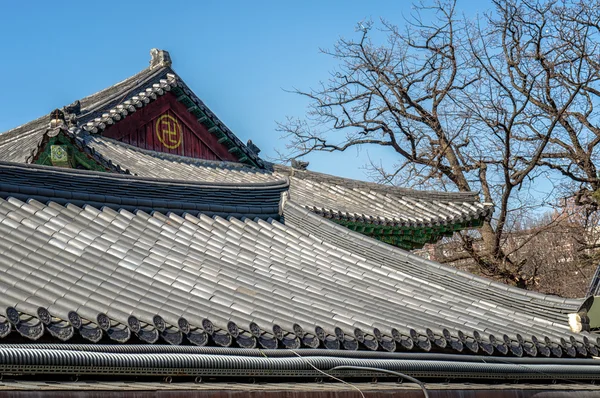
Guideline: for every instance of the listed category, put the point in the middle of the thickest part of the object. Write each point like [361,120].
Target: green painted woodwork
[408,238]
[60,151]
[185,100]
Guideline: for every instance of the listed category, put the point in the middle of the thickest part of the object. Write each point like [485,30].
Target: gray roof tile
[287,283]
[357,201]
[128,192]
[165,237]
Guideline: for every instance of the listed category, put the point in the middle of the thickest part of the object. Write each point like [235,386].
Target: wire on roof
[327,374]
[402,375]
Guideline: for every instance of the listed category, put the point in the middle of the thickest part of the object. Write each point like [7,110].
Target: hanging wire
[327,374]
[402,375]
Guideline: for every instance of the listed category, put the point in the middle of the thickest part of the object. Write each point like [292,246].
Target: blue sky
[238,56]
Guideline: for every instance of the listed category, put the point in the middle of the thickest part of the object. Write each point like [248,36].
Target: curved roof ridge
[125,192]
[380,188]
[85,136]
[20,131]
[150,180]
[13,134]
[103,102]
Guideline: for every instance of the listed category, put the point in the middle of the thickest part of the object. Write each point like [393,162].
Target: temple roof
[404,217]
[253,282]
[98,111]
[126,244]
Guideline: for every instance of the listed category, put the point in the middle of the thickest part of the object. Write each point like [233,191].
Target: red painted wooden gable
[165,125]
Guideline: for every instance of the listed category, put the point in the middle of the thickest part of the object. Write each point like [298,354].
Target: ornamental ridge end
[159,58]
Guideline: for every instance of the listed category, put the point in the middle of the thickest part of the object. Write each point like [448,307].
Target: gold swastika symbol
[168,131]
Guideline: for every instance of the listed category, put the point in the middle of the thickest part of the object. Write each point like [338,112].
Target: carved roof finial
[252,146]
[70,113]
[299,164]
[57,118]
[160,58]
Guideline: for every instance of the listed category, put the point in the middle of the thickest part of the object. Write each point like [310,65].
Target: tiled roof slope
[358,201]
[432,273]
[68,270]
[18,145]
[326,195]
[152,164]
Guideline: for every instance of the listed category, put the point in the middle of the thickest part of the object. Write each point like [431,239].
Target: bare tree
[566,269]
[491,106]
